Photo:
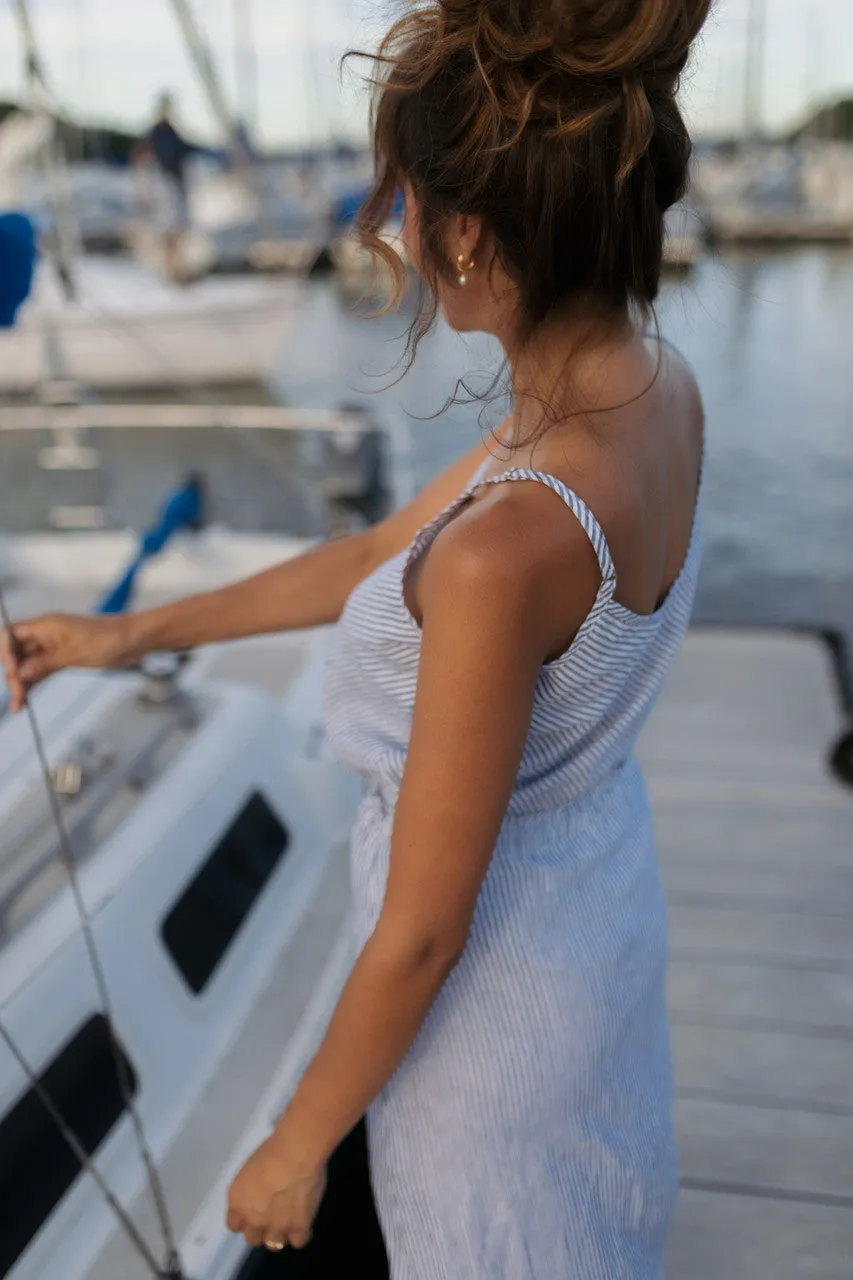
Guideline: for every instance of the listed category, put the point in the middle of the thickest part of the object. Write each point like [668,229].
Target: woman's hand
[43,646]
[274,1199]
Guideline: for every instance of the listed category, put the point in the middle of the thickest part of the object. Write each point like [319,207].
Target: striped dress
[528,1133]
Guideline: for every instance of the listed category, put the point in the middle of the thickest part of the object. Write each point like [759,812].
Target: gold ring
[274,1246]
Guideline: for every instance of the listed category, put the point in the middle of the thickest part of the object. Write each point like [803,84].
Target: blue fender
[17,264]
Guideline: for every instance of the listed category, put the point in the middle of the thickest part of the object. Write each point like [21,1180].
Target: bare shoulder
[395,532]
[682,378]
[515,557]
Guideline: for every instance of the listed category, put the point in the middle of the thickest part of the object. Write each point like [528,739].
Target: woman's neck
[573,367]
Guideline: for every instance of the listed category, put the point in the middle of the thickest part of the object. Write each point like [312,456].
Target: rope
[67,859]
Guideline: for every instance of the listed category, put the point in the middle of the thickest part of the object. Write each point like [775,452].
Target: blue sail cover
[17,264]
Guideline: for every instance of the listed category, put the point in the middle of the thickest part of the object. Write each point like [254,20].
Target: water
[769,338]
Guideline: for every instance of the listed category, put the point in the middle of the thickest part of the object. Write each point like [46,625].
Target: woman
[499,648]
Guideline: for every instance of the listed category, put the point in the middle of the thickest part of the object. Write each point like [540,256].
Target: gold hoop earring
[463,270]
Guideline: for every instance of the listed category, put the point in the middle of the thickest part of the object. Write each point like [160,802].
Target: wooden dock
[756,844]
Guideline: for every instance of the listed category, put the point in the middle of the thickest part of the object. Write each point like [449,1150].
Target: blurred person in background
[171,152]
[500,645]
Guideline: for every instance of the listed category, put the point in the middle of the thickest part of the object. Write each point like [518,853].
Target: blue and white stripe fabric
[528,1133]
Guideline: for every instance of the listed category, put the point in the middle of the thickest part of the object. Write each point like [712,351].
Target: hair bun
[556,123]
[571,64]
[607,39]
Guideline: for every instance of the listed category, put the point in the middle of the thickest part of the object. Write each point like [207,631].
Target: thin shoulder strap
[579,510]
[479,475]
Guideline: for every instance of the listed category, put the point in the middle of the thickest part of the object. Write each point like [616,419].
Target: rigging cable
[66,857]
[80,1152]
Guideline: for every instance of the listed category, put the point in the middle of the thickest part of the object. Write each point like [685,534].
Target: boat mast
[65,242]
[28,36]
[202,60]
[246,56]
[754,70]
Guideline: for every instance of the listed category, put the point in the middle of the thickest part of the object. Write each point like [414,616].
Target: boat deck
[756,844]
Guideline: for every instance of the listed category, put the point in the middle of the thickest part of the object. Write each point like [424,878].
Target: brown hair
[555,122]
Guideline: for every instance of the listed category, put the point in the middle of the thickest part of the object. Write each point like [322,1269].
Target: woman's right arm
[307,591]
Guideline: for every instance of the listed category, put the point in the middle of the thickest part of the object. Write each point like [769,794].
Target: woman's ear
[463,240]
[470,235]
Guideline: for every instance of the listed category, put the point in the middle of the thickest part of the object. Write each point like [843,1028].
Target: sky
[107,60]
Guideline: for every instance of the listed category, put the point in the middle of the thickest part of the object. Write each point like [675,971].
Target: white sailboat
[208,832]
[205,829]
[127,328]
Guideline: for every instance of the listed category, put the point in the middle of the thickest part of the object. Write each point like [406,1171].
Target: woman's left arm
[488,625]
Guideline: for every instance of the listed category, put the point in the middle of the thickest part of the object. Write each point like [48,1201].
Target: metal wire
[67,859]
[80,1152]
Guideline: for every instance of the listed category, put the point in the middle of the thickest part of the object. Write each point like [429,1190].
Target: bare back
[639,468]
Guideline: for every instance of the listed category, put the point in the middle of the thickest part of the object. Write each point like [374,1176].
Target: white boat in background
[209,834]
[685,238]
[360,276]
[129,328]
[241,219]
[779,194]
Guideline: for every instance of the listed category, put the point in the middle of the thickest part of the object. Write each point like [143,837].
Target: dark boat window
[210,912]
[37,1166]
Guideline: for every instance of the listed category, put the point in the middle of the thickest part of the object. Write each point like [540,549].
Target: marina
[754,839]
[175,915]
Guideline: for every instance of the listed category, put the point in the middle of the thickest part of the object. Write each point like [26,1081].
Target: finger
[16,689]
[235,1222]
[23,664]
[9,654]
[299,1237]
[275,1241]
[9,645]
[19,689]
[19,640]
[294,1222]
[254,1236]
[31,670]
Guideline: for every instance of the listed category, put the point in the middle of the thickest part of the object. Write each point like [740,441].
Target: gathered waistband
[382,795]
[381,798]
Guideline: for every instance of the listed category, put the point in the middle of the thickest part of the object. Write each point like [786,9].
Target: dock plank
[767,1064]
[811,888]
[737,1237]
[790,935]
[734,835]
[780,1152]
[755,839]
[812,1001]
